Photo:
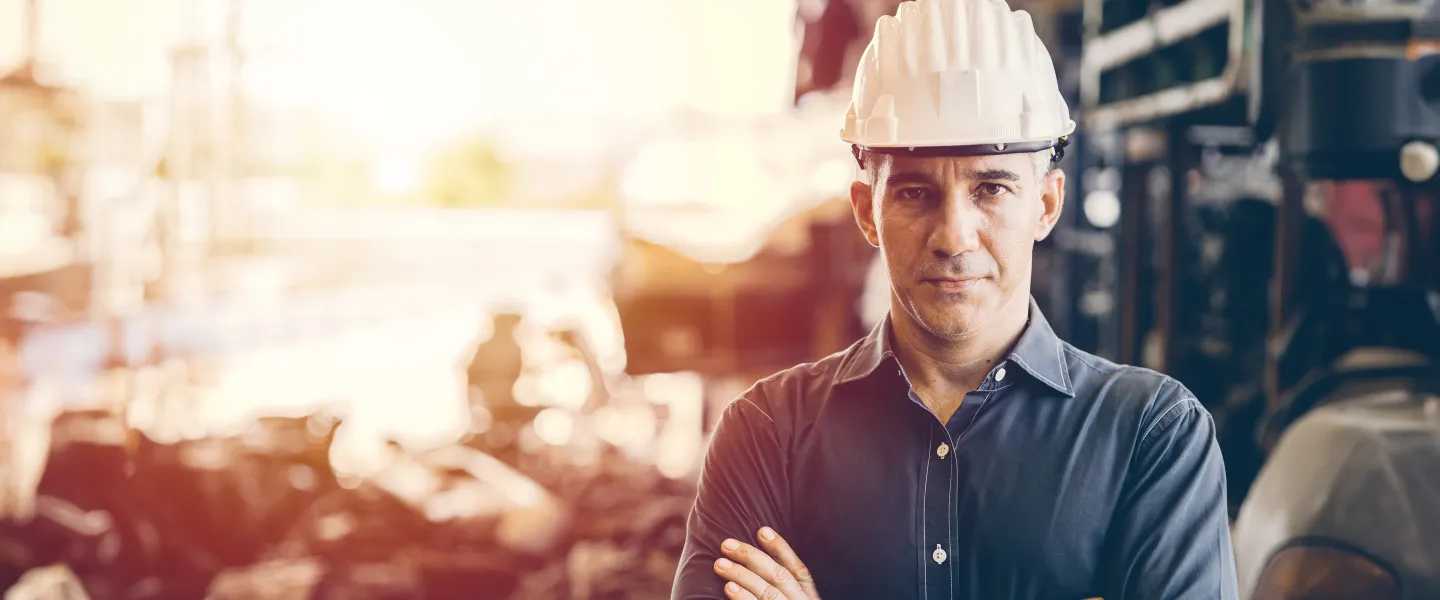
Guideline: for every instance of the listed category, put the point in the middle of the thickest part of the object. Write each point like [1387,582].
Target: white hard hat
[965,76]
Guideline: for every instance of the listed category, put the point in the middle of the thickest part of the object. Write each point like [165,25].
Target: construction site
[321,299]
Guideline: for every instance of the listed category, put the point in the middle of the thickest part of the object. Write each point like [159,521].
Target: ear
[1052,201]
[862,201]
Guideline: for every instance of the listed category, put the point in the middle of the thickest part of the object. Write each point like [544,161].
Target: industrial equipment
[1343,414]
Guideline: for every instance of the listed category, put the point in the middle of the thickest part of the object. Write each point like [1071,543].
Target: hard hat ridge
[956,73]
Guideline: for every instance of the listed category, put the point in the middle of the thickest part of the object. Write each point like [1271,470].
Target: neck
[952,367]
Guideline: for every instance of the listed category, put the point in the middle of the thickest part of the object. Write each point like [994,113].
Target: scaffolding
[204,121]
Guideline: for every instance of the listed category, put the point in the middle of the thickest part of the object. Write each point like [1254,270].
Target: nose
[956,229]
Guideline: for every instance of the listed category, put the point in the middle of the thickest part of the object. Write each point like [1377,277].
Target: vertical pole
[1170,246]
[32,32]
[1134,216]
[232,123]
[1289,226]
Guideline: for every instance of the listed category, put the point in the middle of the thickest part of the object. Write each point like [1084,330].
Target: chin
[953,329]
[952,315]
[952,320]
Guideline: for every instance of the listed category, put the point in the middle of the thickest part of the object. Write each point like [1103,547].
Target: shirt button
[942,450]
[938,555]
[1000,375]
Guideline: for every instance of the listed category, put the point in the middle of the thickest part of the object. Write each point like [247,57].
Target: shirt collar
[867,356]
[1038,352]
[1041,353]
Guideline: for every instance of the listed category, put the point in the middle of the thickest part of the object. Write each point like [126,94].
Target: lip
[954,286]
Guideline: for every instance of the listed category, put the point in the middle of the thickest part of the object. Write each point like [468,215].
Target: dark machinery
[1333,445]
[1346,503]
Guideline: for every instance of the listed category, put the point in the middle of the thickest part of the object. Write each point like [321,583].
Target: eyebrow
[917,178]
[994,174]
[913,178]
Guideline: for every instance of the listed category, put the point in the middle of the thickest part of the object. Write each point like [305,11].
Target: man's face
[957,233]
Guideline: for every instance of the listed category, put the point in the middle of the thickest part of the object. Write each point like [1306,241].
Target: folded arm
[1170,539]
[742,488]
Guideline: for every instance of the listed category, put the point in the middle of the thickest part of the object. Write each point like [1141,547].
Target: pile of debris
[263,516]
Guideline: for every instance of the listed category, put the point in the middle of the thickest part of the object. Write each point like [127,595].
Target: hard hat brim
[969,150]
[1057,148]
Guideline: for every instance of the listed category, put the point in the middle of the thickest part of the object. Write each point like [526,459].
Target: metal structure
[41,177]
[1145,62]
[1155,78]
[1346,94]
[203,143]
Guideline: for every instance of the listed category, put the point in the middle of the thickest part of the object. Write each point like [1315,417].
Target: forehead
[962,167]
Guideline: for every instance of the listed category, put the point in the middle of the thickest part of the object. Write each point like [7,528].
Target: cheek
[902,233]
[902,225]
[1011,235]
[898,241]
[1012,252]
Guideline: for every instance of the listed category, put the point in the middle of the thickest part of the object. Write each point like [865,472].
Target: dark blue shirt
[1064,476]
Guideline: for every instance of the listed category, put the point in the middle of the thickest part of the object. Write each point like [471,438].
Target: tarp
[1364,472]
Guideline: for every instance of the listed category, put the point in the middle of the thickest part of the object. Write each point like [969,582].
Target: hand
[756,575]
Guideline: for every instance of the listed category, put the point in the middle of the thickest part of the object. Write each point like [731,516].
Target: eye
[912,193]
[992,190]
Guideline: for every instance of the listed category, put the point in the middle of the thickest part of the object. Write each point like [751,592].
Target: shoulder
[787,398]
[1152,402]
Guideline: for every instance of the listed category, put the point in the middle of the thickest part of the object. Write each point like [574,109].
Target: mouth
[953,286]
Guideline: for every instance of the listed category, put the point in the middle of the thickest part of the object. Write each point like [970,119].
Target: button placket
[938,509]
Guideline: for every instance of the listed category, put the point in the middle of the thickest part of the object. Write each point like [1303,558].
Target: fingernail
[731,545]
[767,534]
[724,564]
[732,588]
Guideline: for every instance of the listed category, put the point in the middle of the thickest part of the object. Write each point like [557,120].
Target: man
[961,450]
[494,370]
[497,364]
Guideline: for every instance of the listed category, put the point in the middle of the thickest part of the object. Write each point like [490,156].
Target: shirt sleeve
[742,488]
[1170,538]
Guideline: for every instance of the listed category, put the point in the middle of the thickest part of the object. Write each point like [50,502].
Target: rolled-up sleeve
[1170,539]
[743,487]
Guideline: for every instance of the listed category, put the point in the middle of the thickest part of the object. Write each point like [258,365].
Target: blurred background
[390,299]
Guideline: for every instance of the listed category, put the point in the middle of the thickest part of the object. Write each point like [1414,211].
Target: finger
[777,547]
[760,563]
[743,582]
[735,592]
